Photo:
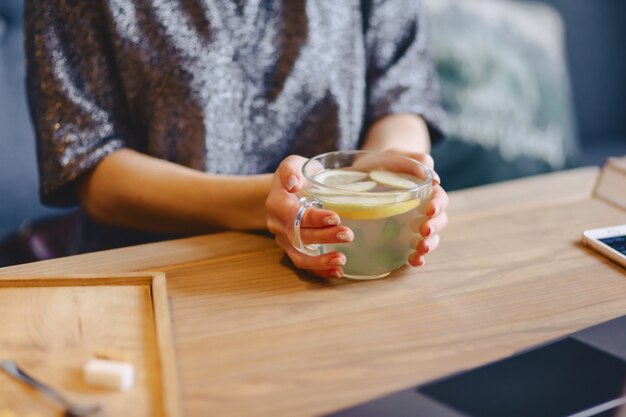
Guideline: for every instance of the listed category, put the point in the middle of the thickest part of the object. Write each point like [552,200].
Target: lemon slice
[336,177]
[358,187]
[367,208]
[391,179]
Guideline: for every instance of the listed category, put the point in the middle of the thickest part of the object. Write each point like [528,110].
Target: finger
[436,177]
[280,204]
[417,260]
[332,260]
[424,158]
[434,225]
[290,172]
[427,245]
[327,273]
[439,193]
[402,163]
[314,219]
[438,202]
[340,234]
[320,218]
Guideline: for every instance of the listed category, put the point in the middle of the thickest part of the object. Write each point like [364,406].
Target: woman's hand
[318,225]
[407,134]
[435,210]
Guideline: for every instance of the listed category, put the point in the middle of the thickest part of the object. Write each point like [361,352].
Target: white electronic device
[609,241]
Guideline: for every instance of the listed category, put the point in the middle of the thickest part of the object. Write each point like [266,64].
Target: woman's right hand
[318,225]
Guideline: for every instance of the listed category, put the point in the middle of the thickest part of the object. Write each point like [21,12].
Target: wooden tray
[52,325]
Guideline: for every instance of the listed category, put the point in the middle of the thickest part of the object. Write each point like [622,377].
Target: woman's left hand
[435,210]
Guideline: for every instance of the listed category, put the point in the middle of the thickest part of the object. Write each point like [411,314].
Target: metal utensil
[71,409]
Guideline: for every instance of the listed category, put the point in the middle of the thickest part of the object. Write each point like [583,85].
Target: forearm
[400,131]
[134,190]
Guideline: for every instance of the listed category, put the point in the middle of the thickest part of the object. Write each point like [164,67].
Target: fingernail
[426,248]
[436,178]
[291,182]
[338,261]
[416,259]
[337,274]
[435,211]
[331,221]
[421,262]
[429,232]
[345,236]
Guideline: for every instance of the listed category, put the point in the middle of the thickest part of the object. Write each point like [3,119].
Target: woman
[174,116]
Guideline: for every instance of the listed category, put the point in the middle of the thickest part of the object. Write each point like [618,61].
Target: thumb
[290,173]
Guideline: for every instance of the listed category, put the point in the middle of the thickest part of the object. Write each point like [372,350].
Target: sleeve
[401,77]
[74,93]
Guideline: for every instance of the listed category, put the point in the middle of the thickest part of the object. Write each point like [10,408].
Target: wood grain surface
[255,337]
[151,256]
[51,326]
[612,185]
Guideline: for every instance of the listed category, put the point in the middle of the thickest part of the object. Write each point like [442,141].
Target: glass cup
[380,196]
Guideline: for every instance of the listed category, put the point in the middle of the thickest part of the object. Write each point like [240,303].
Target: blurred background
[529,86]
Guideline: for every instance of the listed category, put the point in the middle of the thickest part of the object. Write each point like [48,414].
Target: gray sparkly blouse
[222,86]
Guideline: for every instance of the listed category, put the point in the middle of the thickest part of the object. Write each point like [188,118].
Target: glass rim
[425,183]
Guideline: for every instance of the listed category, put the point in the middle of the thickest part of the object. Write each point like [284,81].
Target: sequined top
[222,86]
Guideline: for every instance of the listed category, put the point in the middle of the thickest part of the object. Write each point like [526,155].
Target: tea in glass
[380,196]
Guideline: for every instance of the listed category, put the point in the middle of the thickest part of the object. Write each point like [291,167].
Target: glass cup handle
[303,205]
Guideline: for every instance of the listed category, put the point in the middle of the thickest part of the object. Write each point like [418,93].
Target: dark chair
[44,239]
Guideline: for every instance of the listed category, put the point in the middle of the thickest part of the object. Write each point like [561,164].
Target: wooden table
[254,337]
